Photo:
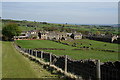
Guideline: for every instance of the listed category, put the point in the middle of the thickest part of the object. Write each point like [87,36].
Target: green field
[15,65]
[28,28]
[94,44]
[41,44]
[74,54]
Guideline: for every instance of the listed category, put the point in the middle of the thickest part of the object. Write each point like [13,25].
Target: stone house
[77,36]
[33,31]
[52,35]
[45,35]
[27,35]
[42,35]
[33,34]
[23,35]
[61,36]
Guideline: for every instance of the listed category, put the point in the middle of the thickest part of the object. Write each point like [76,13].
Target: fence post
[98,70]
[50,58]
[23,49]
[65,63]
[36,54]
[29,52]
[41,54]
[32,52]
[20,49]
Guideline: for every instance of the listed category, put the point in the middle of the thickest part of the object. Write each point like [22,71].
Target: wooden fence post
[65,63]
[23,49]
[32,53]
[29,51]
[36,54]
[41,54]
[98,70]
[50,58]
[20,49]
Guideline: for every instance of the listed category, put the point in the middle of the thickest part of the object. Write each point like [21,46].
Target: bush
[10,30]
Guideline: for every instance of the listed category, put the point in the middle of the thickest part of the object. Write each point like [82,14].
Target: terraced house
[48,35]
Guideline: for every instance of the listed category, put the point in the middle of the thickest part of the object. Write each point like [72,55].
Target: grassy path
[16,65]
[0,59]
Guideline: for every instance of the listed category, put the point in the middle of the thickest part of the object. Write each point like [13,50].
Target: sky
[62,12]
[60,0]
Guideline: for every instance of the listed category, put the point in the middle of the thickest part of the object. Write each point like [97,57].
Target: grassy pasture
[23,28]
[41,44]
[74,54]
[94,44]
[14,65]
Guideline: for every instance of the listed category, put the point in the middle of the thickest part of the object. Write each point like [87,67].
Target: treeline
[24,22]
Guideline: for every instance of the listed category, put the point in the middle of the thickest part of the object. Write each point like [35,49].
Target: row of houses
[55,35]
[48,35]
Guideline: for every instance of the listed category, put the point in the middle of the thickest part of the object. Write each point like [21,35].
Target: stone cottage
[52,35]
[45,35]
[77,36]
[23,35]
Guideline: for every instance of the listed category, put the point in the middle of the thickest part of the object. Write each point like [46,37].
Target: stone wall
[87,69]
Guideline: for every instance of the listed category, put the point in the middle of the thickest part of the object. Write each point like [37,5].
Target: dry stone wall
[88,69]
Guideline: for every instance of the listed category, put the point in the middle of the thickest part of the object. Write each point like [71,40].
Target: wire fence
[87,69]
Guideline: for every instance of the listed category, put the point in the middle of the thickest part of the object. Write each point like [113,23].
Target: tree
[97,32]
[10,30]
[108,33]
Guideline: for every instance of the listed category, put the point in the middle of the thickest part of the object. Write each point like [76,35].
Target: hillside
[84,29]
